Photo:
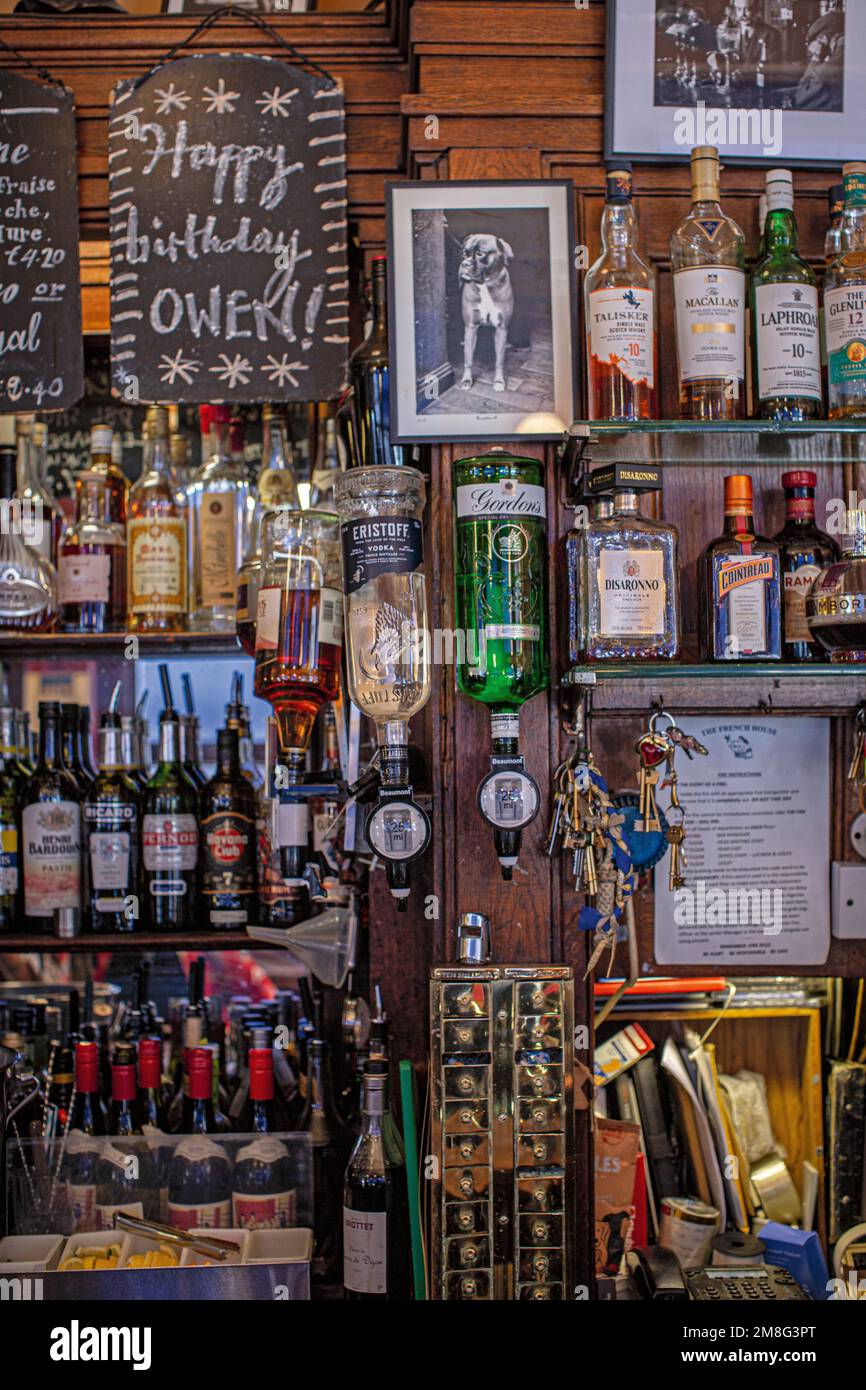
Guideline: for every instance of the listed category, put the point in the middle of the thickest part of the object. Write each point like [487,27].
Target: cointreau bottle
[805,552]
[708,264]
[739,581]
[620,311]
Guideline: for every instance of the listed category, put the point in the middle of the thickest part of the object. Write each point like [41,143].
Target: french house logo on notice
[77,1343]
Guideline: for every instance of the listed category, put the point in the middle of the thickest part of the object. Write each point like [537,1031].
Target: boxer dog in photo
[487,299]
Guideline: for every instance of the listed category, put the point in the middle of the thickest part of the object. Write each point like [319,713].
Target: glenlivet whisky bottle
[845,306]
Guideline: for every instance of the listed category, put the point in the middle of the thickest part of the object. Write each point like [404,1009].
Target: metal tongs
[203,1245]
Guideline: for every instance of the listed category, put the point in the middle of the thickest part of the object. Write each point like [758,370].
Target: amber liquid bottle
[102,462]
[157,539]
[91,562]
[227,807]
[805,552]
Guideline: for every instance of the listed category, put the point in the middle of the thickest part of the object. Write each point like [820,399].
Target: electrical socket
[848,896]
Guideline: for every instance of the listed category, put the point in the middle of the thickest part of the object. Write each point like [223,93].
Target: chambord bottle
[500,577]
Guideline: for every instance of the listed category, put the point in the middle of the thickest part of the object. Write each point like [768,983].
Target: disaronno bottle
[620,312]
[156,539]
[632,585]
[708,260]
[845,306]
[51,835]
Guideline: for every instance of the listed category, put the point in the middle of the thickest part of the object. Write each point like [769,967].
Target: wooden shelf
[131,941]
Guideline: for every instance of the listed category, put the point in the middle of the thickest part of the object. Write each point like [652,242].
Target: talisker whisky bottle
[708,263]
[740,586]
[620,313]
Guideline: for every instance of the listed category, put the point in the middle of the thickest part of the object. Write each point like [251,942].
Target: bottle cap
[100,439]
[780,189]
[705,173]
[149,1063]
[205,418]
[86,1066]
[222,414]
[800,477]
[738,493]
[123,1085]
[836,198]
[49,709]
[199,1068]
[40,432]
[261,1073]
[618,182]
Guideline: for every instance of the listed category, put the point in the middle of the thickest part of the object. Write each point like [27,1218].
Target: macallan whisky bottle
[805,552]
[156,538]
[784,308]
[708,264]
[620,313]
[632,606]
[739,583]
[845,306]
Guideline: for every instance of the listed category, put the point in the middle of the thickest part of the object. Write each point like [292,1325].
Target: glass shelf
[765,687]
[719,441]
[712,670]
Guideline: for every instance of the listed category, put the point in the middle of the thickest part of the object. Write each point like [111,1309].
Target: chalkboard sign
[41,357]
[229,273]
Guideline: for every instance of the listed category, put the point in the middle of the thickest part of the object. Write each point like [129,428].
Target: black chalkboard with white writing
[229,272]
[41,356]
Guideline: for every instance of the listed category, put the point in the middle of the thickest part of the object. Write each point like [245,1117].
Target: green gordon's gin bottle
[785,333]
[501,605]
[845,306]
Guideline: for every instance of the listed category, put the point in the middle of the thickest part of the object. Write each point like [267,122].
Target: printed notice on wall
[229,269]
[758,847]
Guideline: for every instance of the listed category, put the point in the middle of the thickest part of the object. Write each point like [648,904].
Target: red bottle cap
[149,1063]
[261,1073]
[123,1085]
[199,1073]
[800,477]
[86,1067]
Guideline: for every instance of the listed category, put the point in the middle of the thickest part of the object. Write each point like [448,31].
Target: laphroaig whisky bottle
[620,313]
[631,590]
[708,260]
[739,583]
[157,539]
[785,327]
[51,835]
[805,552]
[845,306]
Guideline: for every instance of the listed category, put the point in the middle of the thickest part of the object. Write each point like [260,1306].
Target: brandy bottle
[157,539]
[805,552]
[92,562]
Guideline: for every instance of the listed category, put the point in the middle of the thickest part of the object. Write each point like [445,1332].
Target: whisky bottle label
[788,341]
[51,838]
[169,841]
[797,585]
[377,545]
[157,565]
[508,497]
[365,1247]
[268,613]
[621,331]
[84,578]
[217,539]
[742,587]
[631,593]
[710,323]
[845,329]
[8,859]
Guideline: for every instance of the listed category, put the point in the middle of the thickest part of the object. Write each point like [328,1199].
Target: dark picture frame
[481,310]
[818,129]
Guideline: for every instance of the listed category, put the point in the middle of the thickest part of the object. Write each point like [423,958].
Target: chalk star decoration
[276,103]
[169,99]
[233,372]
[220,100]
[170,368]
[283,371]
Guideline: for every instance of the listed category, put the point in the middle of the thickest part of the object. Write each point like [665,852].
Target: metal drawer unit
[502,1126]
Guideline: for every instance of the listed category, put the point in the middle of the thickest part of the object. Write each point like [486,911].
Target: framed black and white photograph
[763,80]
[481,310]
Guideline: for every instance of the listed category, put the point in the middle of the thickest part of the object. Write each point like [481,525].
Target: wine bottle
[263,1196]
[197,1116]
[124,1115]
[376,1262]
[87,1112]
[331,1143]
[11,782]
[369,375]
[169,833]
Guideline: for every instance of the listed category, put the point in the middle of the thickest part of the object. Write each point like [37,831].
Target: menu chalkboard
[41,357]
[229,272]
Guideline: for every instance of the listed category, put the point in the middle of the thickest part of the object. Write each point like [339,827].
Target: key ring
[661,714]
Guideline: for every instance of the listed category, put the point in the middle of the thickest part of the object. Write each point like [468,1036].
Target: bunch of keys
[857,769]
[578,817]
[656,749]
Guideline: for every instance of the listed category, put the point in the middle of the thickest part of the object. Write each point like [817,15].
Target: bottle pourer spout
[473,938]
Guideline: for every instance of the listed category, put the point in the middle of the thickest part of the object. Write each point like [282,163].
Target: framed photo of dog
[480,303]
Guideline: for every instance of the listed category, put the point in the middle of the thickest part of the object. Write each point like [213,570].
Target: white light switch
[848,882]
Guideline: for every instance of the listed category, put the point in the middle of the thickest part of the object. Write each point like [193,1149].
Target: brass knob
[469,1254]
[466,1151]
[539,1150]
[540,1195]
[539,1114]
[538,999]
[468,1287]
[539,1230]
[541,1266]
[465,1219]
[540,1294]
[466,1183]
[464,1035]
[465,1083]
